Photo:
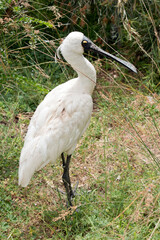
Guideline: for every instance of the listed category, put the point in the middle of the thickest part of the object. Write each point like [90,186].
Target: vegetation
[117,160]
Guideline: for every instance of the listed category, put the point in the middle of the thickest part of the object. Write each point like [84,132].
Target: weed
[117,159]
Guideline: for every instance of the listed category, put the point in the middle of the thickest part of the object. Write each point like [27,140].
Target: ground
[116,163]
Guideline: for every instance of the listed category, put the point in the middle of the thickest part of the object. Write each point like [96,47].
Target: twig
[125,208]
[154,230]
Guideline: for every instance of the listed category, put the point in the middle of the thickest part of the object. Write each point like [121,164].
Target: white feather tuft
[57,54]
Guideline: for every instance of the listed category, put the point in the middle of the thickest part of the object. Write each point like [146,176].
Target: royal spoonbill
[62,117]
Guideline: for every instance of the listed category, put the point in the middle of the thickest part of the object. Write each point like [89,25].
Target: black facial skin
[89,45]
[86,43]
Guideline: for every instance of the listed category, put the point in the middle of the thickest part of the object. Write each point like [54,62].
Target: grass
[117,160]
[116,163]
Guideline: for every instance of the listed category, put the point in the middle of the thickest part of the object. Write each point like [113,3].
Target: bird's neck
[86,72]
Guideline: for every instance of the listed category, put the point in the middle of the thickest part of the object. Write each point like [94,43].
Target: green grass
[117,160]
[116,163]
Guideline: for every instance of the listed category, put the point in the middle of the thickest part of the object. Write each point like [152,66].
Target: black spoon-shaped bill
[89,45]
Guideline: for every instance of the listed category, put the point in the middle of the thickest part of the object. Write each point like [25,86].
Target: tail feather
[33,157]
[24,176]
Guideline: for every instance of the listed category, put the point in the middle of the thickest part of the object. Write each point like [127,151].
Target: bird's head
[71,45]
[76,43]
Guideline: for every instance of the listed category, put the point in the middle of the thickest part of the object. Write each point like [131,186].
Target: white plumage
[63,116]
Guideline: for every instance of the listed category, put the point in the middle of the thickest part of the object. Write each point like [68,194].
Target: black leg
[66,178]
[63,159]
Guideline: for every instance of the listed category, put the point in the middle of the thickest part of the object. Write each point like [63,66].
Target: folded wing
[56,126]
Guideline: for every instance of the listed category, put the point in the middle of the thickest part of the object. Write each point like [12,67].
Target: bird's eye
[84,42]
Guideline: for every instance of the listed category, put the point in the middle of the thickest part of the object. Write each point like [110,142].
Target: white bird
[63,116]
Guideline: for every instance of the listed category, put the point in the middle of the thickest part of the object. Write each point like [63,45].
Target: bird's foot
[60,191]
[73,192]
[75,189]
[70,195]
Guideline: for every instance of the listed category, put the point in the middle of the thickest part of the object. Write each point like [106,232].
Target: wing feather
[56,126]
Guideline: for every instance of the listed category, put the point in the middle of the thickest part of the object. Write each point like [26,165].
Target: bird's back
[56,126]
